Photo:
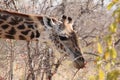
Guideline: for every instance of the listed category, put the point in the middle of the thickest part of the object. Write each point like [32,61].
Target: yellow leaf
[98,61]
[92,78]
[109,40]
[113,75]
[115,1]
[99,47]
[113,53]
[108,66]
[116,12]
[113,27]
[101,74]
[110,5]
[106,55]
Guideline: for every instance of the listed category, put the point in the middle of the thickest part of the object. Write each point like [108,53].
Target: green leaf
[110,5]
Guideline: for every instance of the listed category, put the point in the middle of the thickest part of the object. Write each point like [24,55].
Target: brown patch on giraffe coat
[9,36]
[22,37]
[32,35]
[5,26]
[25,32]
[15,20]
[40,18]
[22,27]
[3,17]
[12,31]
[30,26]
[61,46]
[37,33]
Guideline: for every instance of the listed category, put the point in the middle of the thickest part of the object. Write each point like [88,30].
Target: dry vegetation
[20,60]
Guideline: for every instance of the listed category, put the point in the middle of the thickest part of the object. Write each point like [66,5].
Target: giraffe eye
[63,38]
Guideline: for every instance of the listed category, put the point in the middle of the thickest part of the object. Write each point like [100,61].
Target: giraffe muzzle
[79,61]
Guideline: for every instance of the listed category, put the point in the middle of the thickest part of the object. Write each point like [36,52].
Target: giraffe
[68,41]
[28,27]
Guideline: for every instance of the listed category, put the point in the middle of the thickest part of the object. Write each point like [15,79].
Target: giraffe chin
[79,63]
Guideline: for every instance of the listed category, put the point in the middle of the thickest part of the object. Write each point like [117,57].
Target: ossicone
[69,19]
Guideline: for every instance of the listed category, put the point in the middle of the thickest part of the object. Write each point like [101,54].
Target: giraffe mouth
[78,60]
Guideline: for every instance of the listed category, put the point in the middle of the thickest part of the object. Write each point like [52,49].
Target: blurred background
[92,20]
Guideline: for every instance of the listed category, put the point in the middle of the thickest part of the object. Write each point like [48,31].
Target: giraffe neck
[56,42]
[20,26]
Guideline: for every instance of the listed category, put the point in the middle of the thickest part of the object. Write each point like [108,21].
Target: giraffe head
[65,39]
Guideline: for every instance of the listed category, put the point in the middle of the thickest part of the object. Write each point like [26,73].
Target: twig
[90,53]
[14,5]
[75,74]
[30,64]
[118,41]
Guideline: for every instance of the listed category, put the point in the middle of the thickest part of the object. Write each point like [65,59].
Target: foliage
[107,52]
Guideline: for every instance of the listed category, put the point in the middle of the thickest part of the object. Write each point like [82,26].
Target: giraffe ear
[70,22]
[69,19]
[48,22]
[63,18]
